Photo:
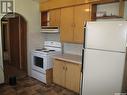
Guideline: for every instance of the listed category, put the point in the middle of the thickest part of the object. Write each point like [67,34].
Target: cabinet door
[44,20]
[59,72]
[82,14]
[73,77]
[66,29]
[54,16]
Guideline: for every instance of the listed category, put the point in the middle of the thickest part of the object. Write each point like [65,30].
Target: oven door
[39,62]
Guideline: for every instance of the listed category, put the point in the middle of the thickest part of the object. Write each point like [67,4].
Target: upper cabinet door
[82,14]
[54,17]
[66,25]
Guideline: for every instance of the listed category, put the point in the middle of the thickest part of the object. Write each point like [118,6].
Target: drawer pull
[63,68]
[66,68]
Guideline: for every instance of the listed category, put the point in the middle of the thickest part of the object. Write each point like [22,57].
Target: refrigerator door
[110,35]
[103,72]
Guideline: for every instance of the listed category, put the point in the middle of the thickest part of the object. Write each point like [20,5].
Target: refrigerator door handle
[81,84]
[82,60]
[84,35]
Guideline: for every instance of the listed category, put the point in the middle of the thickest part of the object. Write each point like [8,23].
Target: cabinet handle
[63,68]
[74,25]
[66,68]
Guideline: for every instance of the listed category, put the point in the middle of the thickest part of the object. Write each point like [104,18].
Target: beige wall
[68,48]
[30,10]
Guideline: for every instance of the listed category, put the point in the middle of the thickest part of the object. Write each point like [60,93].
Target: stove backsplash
[68,48]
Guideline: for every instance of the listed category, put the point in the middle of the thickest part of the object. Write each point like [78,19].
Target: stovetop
[45,50]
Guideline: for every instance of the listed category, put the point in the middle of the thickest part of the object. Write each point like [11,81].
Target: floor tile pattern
[30,86]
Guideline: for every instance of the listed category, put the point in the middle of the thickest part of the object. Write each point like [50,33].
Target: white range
[42,59]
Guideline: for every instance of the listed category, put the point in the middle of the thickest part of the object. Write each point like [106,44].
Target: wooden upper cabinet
[54,4]
[54,17]
[72,23]
[82,14]
[66,25]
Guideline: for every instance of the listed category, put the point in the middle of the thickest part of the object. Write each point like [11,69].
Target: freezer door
[103,72]
[110,35]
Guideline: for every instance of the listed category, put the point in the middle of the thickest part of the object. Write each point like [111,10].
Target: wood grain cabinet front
[67,74]
[66,25]
[54,17]
[59,72]
[82,14]
[72,23]
[46,5]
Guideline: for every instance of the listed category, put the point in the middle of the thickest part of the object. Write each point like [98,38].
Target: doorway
[14,44]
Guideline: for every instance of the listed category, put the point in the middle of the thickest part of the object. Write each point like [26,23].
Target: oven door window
[39,62]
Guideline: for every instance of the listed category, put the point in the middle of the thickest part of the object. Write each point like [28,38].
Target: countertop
[69,58]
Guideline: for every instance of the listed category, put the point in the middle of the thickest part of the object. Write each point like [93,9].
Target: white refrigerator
[104,57]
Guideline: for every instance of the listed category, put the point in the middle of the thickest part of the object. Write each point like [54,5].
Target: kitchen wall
[68,48]
[30,10]
[52,36]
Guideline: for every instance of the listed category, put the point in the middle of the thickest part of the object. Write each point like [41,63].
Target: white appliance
[104,57]
[1,62]
[42,59]
[49,29]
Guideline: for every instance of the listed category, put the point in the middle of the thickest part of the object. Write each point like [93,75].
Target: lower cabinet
[67,74]
[59,72]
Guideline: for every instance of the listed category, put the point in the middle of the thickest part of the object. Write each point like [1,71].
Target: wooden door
[67,24]
[5,41]
[82,14]
[59,72]
[14,41]
[73,77]
[23,44]
[54,16]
